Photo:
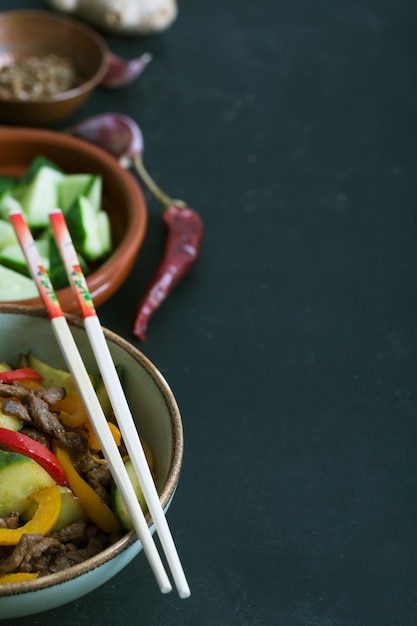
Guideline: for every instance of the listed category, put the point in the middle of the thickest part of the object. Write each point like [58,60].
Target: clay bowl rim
[101,282]
[168,490]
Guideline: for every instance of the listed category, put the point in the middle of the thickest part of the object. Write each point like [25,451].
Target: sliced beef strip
[28,550]
[37,435]
[51,394]
[34,408]
[45,419]
[75,441]
[12,521]
[16,409]
[73,533]
[99,478]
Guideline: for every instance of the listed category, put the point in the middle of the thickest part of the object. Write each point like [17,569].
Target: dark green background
[291,346]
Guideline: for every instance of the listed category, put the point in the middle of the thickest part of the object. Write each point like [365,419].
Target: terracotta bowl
[122,199]
[158,420]
[40,33]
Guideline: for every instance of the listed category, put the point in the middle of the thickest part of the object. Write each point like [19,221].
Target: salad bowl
[158,420]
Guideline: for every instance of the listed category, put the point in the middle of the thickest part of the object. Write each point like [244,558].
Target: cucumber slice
[57,272]
[20,477]
[41,196]
[7,182]
[104,232]
[71,510]
[12,257]
[35,166]
[10,421]
[101,391]
[8,203]
[52,376]
[16,286]
[7,234]
[90,231]
[117,501]
[71,187]
[94,192]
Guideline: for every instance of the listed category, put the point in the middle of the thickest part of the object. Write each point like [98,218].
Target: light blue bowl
[157,416]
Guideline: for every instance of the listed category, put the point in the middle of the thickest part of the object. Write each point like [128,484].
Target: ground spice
[35,77]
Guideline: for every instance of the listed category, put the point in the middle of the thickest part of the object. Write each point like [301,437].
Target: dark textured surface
[291,346]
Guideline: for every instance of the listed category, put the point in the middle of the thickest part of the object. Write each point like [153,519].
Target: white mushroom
[126,17]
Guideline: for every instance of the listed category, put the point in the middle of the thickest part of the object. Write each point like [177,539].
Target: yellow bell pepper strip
[18,577]
[94,443]
[95,507]
[46,514]
[72,411]
[18,442]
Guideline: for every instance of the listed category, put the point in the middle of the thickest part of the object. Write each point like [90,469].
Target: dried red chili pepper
[184,237]
[122,137]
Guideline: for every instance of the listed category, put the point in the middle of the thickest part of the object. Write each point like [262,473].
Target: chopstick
[92,405]
[117,397]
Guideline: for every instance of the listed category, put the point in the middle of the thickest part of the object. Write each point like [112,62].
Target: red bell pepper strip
[184,236]
[24,373]
[18,442]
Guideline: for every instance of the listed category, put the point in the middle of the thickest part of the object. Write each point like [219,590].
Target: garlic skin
[122,17]
[121,72]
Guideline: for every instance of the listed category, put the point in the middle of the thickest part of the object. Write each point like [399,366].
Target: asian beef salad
[59,505]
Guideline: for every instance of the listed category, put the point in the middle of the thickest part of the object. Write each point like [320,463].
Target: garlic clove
[116,133]
[121,136]
[121,72]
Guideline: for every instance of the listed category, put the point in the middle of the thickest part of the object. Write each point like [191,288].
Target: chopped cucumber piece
[8,203]
[101,391]
[119,506]
[10,421]
[57,272]
[71,510]
[89,230]
[71,187]
[15,286]
[7,234]
[94,192]
[20,477]
[12,257]
[35,166]
[41,196]
[52,376]
[7,182]
[104,232]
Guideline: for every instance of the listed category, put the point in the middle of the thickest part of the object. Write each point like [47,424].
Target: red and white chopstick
[92,405]
[117,397]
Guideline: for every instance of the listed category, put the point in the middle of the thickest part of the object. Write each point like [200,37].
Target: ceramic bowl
[159,423]
[38,34]
[122,199]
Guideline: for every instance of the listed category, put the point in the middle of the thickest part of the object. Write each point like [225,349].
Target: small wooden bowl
[122,199]
[40,33]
